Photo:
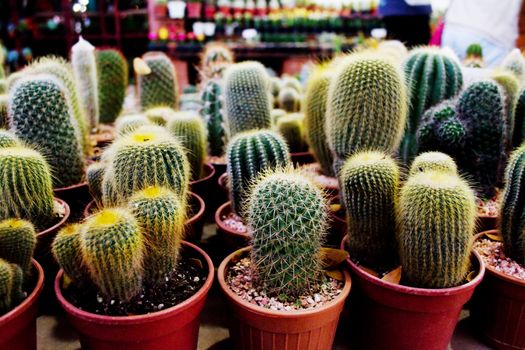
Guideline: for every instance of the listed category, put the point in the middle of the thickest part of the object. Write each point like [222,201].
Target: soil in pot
[487,213]
[231,228]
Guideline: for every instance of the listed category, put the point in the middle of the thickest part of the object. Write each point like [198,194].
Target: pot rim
[138,319]
[209,170]
[415,290]
[223,227]
[277,313]
[30,299]
[202,206]
[72,187]
[223,183]
[53,228]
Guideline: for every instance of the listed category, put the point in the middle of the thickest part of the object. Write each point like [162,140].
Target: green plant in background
[85,72]
[189,129]
[515,62]
[291,82]
[158,88]
[288,217]
[370,187]
[159,115]
[161,214]
[67,251]
[474,50]
[17,242]
[276,114]
[289,100]
[433,161]
[249,154]
[433,76]
[94,177]
[11,279]
[246,97]
[3,111]
[8,139]
[52,130]
[214,60]
[26,190]
[366,108]
[437,214]
[213,115]
[511,86]
[275,86]
[474,58]
[291,127]
[129,123]
[112,69]
[519,119]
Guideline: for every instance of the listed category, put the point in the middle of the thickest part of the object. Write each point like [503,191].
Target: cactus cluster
[289,100]
[112,69]
[213,115]
[291,127]
[159,87]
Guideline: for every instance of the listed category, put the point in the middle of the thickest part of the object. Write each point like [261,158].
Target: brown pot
[232,239]
[301,158]
[498,308]
[203,187]
[253,327]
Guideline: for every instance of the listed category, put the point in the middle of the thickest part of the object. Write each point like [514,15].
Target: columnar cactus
[17,242]
[213,115]
[519,119]
[112,249]
[8,139]
[370,188]
[510,86]
[159,88]
[161,214]
[112,70]
[288,217]
[433,161]
[291,127]
[188,128]
[367,106]
[51,129]
[94,177]
[249,154]
[11,279]
[67,251]
[289,100]
[159,115]
[246,97]
[515,62]
[437,214]
[85,71]
[129,123]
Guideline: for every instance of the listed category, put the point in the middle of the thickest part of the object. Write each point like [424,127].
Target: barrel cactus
[289,100]
[11,280]
[8,139]
[67,251]
[433,161]
[129,123]
[291,127]
[112,69]
[213,115]
[17,242]
[94,177]
[158,88]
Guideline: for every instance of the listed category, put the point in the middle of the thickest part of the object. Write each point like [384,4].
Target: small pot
[337,229]
[194,9]
[18,326]
[301,158]
[203,187]
[487,223]
[174,328]
[498,308]
[77,196]
[254,327]
[231,238]
[397,317]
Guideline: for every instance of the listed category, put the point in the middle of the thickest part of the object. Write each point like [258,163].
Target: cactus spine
[129,123]
[17,242]
[159,88]
[112,71]
[213,116]
[67,251]
[8,139]
[433,161]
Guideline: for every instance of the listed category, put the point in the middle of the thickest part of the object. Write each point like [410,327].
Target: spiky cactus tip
[158,87]
[17,242]
[112,70]
[129,123]
[433,161]
[160,115]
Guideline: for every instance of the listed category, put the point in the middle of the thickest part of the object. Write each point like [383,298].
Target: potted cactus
[278,293]
[291,127]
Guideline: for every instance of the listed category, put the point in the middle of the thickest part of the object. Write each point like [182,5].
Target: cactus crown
[433,161]
[8,139]
[129,123]
[291,127]
[67,252]
[17,242]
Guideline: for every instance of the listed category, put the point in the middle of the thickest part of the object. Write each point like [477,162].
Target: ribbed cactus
[129,123]
[275,86]
[475,50]
[161,214]
[519,119]
[67,251]
[159,88]
[291,127]
[112,248]
[85,71]
[367,106]
[433,76]
[112,69]
[213,115]
[246,97]
[17,242]
[11,279]
[51,129]
[4,99]
[189,129]
[215,58]
[249,154]
[149,156]
[370,188]
[8,139]
[159,115]
[515,62]
[94,177]
[289,100]
[437,214]
[288,217]
[315,116]
[474,57]
[511,86]
[433,161]
[26,191]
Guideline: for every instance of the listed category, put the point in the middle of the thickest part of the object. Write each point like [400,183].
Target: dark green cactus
[288,217]
[519,119]
[11,279]
[94,177]
[159,88]
[159,115]
[370,188]
[291,127]
[17,242]
[213,115]
[8,139]
[289,100]
[511,86]
[129,123]
[433,161]
[112,69]
[437,214]
[67,251]
[249,154]
[475,50]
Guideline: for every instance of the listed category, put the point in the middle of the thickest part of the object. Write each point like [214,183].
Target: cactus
[433,161]
[276,114]
[51,129]
[393,48]
[370,188]
[288,217]
[11,279]
[367,106]
[159,88]
[159,115]
[474,57]
[246,97]
[4,99]
[3,86]
[85,70]
[215,58]
[289,100]
[515,62]
[26,190]
[161,215]
[510,86]
[94,177]
[67,251]
[17,242]
[213,116]
[433,77]
[149,156]
[8,139]
[437,212]
[275,86]
[112,70]
[129,123]
[315,115]
[291,127]
[248,154]
[519,119]
[291,82]
[188,128]
[112,249]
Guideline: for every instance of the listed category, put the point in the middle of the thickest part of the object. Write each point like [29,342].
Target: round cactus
[475,50]
[11,279]
[95,176]
[291,82]
[67,251]
[159,115]
[112,70]
[213,115]
[515,62]
[8,139]
[159,87]
[275,86]
[129,123]
[291,127]
[289,100]
[17,242]
[433,161]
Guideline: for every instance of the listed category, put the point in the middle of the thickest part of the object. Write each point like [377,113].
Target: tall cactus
[17,242]
[291,127]
[112,69]
[213,115]
[433,161]
[67,251]
[159,88]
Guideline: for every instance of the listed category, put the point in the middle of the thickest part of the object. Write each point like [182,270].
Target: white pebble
[317,297]
[196,279]
[309,300]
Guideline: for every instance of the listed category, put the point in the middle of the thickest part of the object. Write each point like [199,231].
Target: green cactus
[159,88]
[276,114]
[149,156]
[249,154]
[289,100]
[275,86]
[4,99]
[291,127]
[57,133]
[112,249]
[475,50]
[189,129]
[94,177]
[112,69]
[370,188]
[437,214]
[11,279]
[17,242]
[288,216]
[3,86]
[433,161]
[26,190]
[246,97]
[291,82]
[213,115]
[67,251]
[160,115]
[515,62]
[519,119]
[129,123]
[161,215]
[511,86]
[8,139]
[367,106]
[215,58]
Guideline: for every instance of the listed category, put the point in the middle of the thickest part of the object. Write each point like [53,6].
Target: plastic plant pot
[487,223]
[231,238]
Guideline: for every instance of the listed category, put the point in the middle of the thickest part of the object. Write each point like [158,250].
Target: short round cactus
[433,161]
[291,127]
[67,251]
[17,242]
[129,123]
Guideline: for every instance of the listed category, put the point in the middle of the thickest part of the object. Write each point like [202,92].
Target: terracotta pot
[174,328]
[301,158]
[397,317]
[337,229]
[232,239]
[253,327]
[487,223]
[223,183]
[18,326]
[498,308]
[204,186]
[76,196]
